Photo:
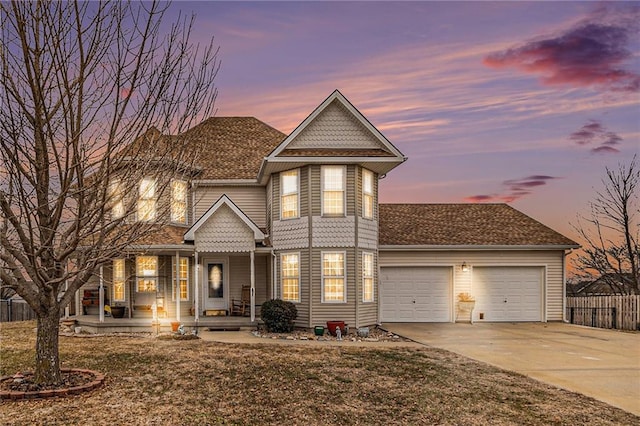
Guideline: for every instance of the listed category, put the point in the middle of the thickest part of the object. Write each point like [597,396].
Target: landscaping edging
[98,379]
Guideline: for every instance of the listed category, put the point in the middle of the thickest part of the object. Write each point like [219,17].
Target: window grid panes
[118,280]
[183,275]
[333,277]
[147,200]
[147,273]
[290,267]
[289,198]
[367,194]
[116,198]
[367,277]
[333,191]
[179,201]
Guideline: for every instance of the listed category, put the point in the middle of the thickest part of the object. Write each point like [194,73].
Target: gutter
[473,247]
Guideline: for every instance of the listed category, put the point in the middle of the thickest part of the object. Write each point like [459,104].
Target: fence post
[9,310]
[571,313]
[614,319]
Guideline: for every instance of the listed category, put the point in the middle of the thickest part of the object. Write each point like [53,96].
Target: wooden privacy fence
[11,310]
[619,312]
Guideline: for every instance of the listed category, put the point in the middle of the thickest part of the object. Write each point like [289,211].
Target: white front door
[216,284]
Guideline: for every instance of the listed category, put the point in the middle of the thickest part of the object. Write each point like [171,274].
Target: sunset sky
[515,102]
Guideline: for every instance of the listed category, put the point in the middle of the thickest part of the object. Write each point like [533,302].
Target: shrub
[278,315]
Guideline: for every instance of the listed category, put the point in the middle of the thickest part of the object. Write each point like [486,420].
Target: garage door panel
[415,294]
[508,293]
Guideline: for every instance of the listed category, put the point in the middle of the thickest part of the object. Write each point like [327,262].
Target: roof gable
[190,235]
[464,225]
[336,124]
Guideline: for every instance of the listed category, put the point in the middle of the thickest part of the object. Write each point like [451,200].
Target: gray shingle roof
[463,225]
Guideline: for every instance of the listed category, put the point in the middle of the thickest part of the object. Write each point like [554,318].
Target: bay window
[290,275]
[333,185]
[289,188]
[367,194]
[367,277]
[333,277]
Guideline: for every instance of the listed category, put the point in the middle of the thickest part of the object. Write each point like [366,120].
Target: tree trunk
[47,358]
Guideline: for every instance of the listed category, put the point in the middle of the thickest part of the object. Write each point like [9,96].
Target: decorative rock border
[98,380]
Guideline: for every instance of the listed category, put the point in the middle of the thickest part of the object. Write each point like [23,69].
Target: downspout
[273,274]
[310,262]
[357,245]
[253,285]
[196,290]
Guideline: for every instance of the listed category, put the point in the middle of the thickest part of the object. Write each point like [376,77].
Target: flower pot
[331,325]
[117,311]
[318,330]
[174,326]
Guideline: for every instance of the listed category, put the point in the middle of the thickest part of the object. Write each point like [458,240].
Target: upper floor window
[116,199]
[333,277]
[289,188]
[147,273]
[367,194]
[333,185]
[183,276]
[118,280]
[367,277]
[290,271]
[147,200]
[179,201]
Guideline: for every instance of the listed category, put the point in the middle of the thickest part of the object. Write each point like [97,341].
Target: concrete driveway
[603,364]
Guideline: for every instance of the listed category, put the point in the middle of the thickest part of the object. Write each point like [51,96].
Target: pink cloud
[595,131]
[592,53]
[513,189]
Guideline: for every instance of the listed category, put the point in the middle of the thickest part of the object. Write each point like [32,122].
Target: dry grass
[171,382]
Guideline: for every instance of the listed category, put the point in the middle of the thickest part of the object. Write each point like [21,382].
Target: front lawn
[191,382]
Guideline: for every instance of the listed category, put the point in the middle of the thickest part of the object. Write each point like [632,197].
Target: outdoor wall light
[465,268]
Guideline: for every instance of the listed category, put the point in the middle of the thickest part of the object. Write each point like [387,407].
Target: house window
[183,275]
[290,273]
[179,201]
[333,190]
[147,274]
[367,194]
[147,200]
[116,199]
[289,198]
[367,277]
[118,280]
[333,279]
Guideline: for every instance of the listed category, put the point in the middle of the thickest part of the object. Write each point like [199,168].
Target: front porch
[92,324]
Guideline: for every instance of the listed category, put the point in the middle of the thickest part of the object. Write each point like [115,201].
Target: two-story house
[296,217]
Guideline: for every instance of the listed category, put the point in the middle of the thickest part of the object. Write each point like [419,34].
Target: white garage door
[508,293]
[415,294]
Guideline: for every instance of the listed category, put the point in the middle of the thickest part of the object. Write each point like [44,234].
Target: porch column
[101,293]
[196,289]
[253,286]
[177,286]
[79,310]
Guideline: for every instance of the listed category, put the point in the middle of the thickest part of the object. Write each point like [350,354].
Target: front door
[216,285]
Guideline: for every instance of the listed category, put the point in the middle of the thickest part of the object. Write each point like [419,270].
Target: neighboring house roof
[162,235]
[604,285]
[464,225]
[233,147]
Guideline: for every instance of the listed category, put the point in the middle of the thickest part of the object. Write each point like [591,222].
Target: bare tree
[611,232]
[88,92]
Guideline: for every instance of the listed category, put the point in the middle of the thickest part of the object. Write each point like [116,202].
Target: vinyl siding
[240,274]
[333,231]
[224,231]
[463,281]
[290,234]
[335,127]
[252,200]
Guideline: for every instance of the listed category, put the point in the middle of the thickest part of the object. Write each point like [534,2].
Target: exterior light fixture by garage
[465,268]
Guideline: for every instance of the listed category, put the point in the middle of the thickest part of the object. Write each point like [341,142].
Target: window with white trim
[147,200]
[116,199]
[179,201]
[118,280]
[289,188]
[146,274]
[367,277]
[183,275]
[333,190]
[333,277]
[367,194]
[290,276]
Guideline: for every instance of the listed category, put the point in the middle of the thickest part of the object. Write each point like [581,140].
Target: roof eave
[527,247]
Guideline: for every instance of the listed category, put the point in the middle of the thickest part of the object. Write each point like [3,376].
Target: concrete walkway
[603,364]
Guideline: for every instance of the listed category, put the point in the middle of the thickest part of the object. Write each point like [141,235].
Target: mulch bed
[74,381]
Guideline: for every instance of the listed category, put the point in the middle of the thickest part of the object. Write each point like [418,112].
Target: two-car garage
[428,293]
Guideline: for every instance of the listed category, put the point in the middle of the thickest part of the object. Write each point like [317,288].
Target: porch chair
[242,306]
